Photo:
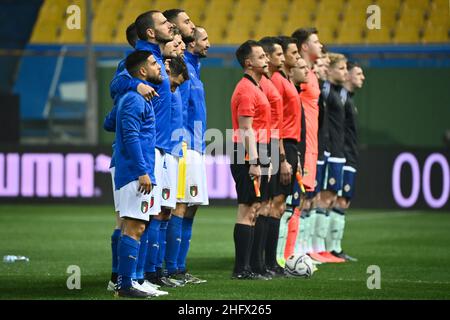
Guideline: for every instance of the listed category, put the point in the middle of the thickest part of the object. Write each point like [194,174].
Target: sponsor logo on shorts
[166,193]
[144,206]
[296,195]
[332,181]
[315,183]
[347,188]
[193,191]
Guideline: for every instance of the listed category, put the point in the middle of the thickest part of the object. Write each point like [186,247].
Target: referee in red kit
[250,112]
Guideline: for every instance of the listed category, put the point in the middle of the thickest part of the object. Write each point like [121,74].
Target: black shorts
[292,156]
[245,187]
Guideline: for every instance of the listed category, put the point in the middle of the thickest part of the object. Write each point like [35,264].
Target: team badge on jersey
[166,193]
[144,206]
[332,181]
[193,190]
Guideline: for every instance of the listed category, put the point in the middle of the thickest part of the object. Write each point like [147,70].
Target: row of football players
[292,151]
[158,166]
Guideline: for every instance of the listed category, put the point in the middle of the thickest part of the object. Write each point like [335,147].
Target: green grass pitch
[412,250]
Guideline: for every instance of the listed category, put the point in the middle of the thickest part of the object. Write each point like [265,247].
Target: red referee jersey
[291,107]
[249,100]
[310,99]
[276,106]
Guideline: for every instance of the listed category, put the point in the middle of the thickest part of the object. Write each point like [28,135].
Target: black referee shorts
[245,187]
[292,156]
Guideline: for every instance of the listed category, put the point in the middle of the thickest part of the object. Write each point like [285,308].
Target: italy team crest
[194,191]
[144,206]
[166,193]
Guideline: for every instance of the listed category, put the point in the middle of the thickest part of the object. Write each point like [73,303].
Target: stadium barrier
[387,178]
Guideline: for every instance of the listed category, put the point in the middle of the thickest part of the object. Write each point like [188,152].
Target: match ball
[299,265]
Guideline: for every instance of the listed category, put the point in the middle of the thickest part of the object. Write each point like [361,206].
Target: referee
[250,112]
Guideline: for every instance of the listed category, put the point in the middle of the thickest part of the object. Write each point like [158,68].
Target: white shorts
[136,205]
[115,192]
[159,163]
[168,183]
[196,189]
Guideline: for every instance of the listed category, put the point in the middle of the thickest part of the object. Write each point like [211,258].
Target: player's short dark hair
[245,50]
[352,64]
[268,44]
[285,41]
[177,66]
[302,35]
[136,60]
[143,22]
[132,36]
[172,14]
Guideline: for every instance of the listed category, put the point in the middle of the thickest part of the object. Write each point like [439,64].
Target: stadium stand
[231,22]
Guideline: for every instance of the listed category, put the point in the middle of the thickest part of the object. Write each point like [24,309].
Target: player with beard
[135,161]
[181,20]
[154,30]
[192,188]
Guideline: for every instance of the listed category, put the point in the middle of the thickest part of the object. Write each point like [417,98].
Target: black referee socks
[273,231]
[243,239]
[259,242]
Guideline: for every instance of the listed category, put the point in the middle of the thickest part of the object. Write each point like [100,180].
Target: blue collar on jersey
[147,46]
[194,61]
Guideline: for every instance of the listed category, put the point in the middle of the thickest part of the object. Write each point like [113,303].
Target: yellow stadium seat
[422,5]
[236,35]
[331,5]
[44,33]
[195,9]
[406,33]
[348,33]
[102,34]
[412,17]
[162,5]
[389,5]
[377,36]
[435,34]
[263,30]
[326,33]
[272,16]
[71,36]
[217,14]
[119,35]
[133,9]
[439,15]
[356,11]
[328,19]
[295,21]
